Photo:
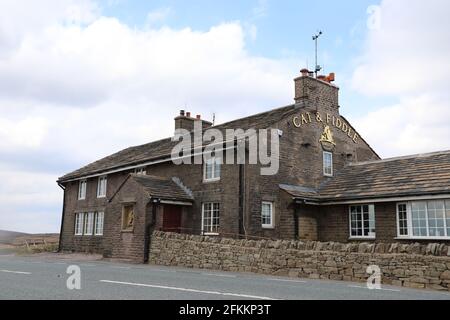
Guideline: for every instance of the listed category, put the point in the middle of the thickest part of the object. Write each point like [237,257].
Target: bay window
[424,219]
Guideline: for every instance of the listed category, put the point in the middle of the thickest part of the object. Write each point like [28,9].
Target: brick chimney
[320,92]
[185,121]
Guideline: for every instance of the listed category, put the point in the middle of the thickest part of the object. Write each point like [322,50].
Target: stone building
[330,186]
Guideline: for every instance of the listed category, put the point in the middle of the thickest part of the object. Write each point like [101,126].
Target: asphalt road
[45,278]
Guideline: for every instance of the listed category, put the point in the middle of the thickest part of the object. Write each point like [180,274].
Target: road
[38,277]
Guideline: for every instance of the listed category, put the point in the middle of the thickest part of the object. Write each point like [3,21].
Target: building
[330,186]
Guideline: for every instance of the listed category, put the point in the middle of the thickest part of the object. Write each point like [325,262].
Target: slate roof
[161,149]
[163,188]
[424,174]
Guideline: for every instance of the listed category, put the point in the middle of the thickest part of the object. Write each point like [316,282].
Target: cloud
[159,15]
[76,86]
[261,9]
[406,57]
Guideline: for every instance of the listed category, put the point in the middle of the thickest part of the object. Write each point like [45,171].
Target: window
[211,218]
[128,217]
[212,169]
[362,221]
[402,218]
[79,219]
[101,188]
[99,221]
[424,219]
[141,170]
[327,164]
[88,223]
[267,215]
[82,190]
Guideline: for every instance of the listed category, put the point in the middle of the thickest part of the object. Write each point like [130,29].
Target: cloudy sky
[80,79]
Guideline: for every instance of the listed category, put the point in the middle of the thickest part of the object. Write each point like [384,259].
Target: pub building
[330,186]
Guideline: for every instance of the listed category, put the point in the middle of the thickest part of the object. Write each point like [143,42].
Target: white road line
[160,270]
[16,272]
[219,275]
[382,289]
[286,280]
[189,290]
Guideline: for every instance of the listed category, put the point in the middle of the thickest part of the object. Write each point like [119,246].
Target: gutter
[62,217]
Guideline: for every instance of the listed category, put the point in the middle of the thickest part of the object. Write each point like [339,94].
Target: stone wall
[409,265]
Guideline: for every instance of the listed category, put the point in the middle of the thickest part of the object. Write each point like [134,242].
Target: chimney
[320,92]
[185,121]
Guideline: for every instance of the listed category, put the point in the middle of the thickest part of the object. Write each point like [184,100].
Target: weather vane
[316,38]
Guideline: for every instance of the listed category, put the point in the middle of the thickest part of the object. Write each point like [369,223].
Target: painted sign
[328,121]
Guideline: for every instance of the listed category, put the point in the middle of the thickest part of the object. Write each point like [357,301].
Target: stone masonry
[409,265]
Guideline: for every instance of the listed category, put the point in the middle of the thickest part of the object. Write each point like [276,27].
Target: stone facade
[409,265]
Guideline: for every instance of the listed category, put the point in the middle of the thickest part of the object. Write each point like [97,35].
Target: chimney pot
[305,72]
[188,114]
[199,117]
[181,112]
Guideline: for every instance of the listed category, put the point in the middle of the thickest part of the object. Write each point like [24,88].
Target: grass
[51,247]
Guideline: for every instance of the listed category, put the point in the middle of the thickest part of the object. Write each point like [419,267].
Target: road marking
[161,270]
[16,272]
[88,265]
[60,263]
[286,280]
[189,290]
[382,289]
[219,275]
[126,268]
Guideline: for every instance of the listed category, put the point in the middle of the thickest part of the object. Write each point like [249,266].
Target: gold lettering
[344,127]
[355,138]
[334,121]
[304,121]
[318,117]
[296,122]
[338,123]
[328,118]
[349,133]
[309,117]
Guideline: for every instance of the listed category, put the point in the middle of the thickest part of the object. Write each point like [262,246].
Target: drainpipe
[241,199]
[148,228]
[62,217]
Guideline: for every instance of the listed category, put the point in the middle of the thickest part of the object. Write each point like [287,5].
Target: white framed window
[362,221]
[99,222]
[101,187]
[327,164]
[267,215]
[210,218]
[88,223]
[211,169]
[79,224]
[141,170]
[82,186]
[424,219]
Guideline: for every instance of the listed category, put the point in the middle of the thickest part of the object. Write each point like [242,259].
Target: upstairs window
[141,170]
[101,188]
[362,221]
[327,164]
[211,171]
[267,215]
[82,190]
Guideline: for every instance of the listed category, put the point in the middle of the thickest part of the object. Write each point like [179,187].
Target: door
[172,218]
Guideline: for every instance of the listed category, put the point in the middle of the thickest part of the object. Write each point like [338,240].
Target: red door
[172,219]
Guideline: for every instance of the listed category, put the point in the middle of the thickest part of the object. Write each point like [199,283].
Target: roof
[423,174]
[162,149]
[162,188]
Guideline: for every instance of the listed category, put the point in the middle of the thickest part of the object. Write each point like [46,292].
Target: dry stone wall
[410,265]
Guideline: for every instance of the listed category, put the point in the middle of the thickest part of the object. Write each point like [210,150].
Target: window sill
[268,227]
[102,197]
[362,238]
[211,234]
[423,238]
[127,231]
[211,180]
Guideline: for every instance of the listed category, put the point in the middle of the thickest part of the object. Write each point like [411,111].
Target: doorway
[172,218]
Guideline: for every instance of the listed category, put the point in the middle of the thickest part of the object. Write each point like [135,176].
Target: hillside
[8,237]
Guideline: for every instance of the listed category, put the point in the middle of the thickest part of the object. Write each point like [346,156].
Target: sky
[81,79]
